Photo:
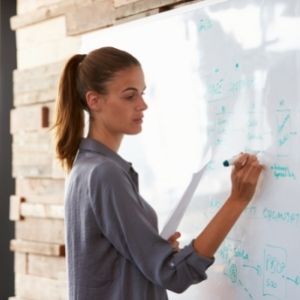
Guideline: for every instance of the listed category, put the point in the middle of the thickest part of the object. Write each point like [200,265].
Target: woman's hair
[83,73]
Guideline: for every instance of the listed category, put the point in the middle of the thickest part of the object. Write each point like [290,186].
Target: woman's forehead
[130,77]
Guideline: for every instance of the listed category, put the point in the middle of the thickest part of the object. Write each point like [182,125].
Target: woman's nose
[142,105]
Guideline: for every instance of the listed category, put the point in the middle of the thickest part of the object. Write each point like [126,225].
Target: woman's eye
[129,97]
[133,96]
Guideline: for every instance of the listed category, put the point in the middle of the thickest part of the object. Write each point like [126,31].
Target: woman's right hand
[244,177]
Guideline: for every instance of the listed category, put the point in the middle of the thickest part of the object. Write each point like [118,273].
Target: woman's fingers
[173,240]
[243,159]
[245,176]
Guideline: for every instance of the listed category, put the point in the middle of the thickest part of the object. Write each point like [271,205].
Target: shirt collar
[88,144]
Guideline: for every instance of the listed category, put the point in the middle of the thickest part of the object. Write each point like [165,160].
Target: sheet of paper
[175,218]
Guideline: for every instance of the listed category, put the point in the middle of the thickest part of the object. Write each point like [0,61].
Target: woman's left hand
[173,241]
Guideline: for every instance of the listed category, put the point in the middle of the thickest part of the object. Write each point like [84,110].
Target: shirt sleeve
[122,220]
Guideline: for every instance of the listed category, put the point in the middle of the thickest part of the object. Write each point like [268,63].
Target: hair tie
[82,56]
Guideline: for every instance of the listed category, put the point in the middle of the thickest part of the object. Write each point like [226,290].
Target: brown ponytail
[69,122]
[81,74]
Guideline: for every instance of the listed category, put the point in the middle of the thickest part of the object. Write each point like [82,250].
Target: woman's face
[123,106]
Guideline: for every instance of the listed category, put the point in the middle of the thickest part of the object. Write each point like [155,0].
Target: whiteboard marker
[230,161]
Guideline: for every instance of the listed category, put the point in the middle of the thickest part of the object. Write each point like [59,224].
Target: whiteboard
[222,77]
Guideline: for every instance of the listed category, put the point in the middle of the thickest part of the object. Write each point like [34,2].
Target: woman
[114,251]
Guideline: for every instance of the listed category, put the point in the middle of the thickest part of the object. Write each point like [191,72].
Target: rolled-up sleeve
[122,220]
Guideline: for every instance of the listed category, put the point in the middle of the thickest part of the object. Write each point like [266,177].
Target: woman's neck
[111,141]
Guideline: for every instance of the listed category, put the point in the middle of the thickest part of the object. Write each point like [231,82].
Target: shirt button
[172,265]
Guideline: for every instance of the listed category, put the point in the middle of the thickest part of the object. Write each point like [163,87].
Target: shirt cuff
[198,262]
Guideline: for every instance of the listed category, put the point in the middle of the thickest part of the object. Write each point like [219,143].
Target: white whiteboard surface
[223,76]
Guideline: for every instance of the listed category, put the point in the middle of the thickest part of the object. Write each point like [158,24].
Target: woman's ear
[94,101]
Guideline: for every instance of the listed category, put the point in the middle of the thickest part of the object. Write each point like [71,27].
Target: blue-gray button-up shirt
[114,251]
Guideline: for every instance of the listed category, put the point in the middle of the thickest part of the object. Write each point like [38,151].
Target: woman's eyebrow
[131,89]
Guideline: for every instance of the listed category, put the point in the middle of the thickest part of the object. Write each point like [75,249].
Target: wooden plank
[64,7]
[186,2]
[142,6]
[25,6]
[47,266]
[50,249]
[25,80]
[33,141]
[15,207]
[53,27]
[20,263]
[118,3]
[28,158]
[26,91]
[41,190]
[57,169]
[35,169]
[33,155]
[37,288]
[40,230]
[51,200]
[85,18]
[34,96]
[138,16]
[39,14]
[29,118]
[34,11]
[45,43]
[41,211]
[32,164]
[29,5]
